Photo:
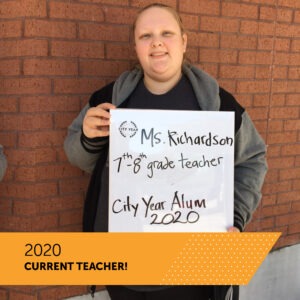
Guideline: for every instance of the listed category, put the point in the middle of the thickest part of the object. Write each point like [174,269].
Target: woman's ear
[184,38]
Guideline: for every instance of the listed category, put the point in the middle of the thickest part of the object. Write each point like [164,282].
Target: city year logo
[128,129]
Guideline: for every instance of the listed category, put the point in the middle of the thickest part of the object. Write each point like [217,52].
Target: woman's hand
[233,229]
[96,121]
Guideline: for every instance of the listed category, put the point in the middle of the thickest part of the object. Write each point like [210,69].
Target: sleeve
[249,171]
[3,163]
[81,151]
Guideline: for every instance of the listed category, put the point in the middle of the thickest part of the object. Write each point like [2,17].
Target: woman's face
[159,44]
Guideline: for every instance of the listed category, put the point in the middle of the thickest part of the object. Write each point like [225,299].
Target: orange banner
[132,258]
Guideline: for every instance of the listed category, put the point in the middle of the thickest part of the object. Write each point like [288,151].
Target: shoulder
[102,95]
[229,103]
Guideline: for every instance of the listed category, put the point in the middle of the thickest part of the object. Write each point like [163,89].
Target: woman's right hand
[96,121]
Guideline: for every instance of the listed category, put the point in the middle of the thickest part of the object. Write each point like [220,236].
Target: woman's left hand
[233,229]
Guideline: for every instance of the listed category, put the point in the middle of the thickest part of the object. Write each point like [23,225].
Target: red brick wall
[54,54]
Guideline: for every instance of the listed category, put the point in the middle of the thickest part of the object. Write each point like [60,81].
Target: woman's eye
[145,36]
[167,33]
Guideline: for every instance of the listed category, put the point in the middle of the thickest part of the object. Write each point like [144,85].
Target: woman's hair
[174,13]
[170,9]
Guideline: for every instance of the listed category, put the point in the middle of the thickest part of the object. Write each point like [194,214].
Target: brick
[265,43]
[262,72]
[272,176]
[29,190]
[257,28]
[53,29]
[262,1]
[10,29]
[280,163]
[8,104]
[98,32]
[73,186]
[8,139]
[278,100]
[211,69]
[26,122]
[297,16]
[23,8]
[61,203]
[21,296]
[77,49]
[10,67]
[275,126]
[282,44]
[26,47]
[294,73]
[25,208]
[50,67]
[284,113]
[103,68]
[258,113]
[237,71]
[76,11]
[289,3]
[6,209]
[253,86]
[261,100]
[120,15]
[267,13]
[276,210]
[190,22]
[203,39]
[61,292]
[287,174]
[56,171]
[48,222]
[240,10]
[255,58]
[296,206]
[228,84]
[200,7]
[41,139]
[70,217]
[292,125]
[238,42]
[273,150]
[49,104]
[282,138]
[294,228]
[115,2]
[280,72]
[218,24]
[293,149]
[286,59]
[284,15]
[295,47]
[270,188]
[3,294]
[287,219]
[21,86]
[268,200]
[143,3]
[287,30]
[63,120]
[293,100]
[218,55]
[14,223]
[77,86]
[19,157]
[286,86]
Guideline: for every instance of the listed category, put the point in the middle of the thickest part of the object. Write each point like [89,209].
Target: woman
[162,81]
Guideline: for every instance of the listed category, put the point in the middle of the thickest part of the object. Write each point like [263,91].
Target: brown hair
[170,9]
[176,16]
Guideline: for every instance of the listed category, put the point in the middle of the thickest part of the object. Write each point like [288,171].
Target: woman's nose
[156,43]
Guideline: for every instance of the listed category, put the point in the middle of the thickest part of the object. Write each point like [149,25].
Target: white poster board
[171,171]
